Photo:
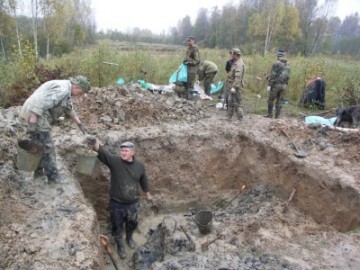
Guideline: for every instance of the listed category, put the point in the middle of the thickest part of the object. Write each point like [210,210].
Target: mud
[196,161]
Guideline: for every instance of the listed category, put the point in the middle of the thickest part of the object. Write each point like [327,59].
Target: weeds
[104,63]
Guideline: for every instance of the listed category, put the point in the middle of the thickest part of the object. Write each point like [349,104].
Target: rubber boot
[270,111]
[129,239]
[120,247]
[240,114]
[277,112]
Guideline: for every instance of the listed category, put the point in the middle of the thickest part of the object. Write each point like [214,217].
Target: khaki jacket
[236,75]
[193,58]
[48,102]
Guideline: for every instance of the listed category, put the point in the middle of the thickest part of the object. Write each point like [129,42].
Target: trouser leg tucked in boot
[129,239]
[130,226]
[270,110]
[277,112]
[120,246]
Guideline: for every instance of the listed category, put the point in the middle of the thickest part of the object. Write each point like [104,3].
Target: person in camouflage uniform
[234,85]
[192,60]
[42,109]
[277,84]
[207,72]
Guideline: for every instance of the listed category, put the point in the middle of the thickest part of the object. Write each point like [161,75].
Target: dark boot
[39,172]
[120,247]
[270,111]
[129,239]
[277,112]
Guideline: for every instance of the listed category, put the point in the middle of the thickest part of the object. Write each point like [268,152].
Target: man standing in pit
[192,60]
[234,84]
[127,176]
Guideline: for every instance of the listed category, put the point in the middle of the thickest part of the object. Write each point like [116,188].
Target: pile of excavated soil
[195,161]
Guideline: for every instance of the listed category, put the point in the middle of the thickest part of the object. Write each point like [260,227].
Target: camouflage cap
[127,145]
[81,81]
[236,51]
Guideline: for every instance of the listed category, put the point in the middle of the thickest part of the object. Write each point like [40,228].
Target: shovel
[104,241]
[298,153]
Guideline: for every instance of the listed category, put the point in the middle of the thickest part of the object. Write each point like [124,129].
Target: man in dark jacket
[127,176]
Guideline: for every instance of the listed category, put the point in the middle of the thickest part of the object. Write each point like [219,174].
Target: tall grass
[104,63]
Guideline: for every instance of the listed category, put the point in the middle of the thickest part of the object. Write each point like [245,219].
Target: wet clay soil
[196,161]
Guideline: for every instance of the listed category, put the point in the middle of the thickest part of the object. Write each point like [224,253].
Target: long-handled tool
[192,244]
[299,153]
[104,240]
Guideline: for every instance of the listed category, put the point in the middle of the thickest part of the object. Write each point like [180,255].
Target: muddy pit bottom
[253,230]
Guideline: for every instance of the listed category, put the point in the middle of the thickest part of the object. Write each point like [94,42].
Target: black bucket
[203,220]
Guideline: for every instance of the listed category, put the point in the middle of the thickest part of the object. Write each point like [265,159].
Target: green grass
[342,75]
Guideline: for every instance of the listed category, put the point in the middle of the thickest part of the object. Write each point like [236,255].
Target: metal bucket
[27,161]
[85,162]
[203,220]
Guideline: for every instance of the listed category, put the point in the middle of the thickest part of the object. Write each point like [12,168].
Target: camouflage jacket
[193,58]
[280,73]
[236,75]
[48,102]
[208,67]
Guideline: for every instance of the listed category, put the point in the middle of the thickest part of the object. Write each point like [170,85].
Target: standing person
[207,72]
[41,110]
[277,84]
[192,60]
[127,176]
[234,85]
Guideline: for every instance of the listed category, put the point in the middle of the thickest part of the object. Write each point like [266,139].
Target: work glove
[232,90]
[31,128]
[83,129]
[268,88]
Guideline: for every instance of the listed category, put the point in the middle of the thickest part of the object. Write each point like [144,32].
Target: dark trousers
[120,214]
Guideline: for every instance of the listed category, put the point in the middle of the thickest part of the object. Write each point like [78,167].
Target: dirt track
[195,161]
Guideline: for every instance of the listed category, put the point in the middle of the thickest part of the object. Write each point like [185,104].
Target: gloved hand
[31,128]
[232,90]
[268,88]
[83,129]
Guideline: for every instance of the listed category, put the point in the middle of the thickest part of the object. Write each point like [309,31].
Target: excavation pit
[291,214]
[271,210]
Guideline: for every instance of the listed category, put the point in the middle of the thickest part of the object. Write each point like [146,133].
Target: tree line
[302,27]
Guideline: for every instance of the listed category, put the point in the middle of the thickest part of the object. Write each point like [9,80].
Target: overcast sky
[160,15]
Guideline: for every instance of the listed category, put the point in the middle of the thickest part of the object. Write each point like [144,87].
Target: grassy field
[104,63]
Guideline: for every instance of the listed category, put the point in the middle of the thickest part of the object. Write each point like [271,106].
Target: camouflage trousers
[234,104]
[209,77]
[276,94]
[47,162]
[190,81]
[120,214]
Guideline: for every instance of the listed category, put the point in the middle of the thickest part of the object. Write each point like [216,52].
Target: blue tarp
[179,75]
[216,88]
[320,120]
